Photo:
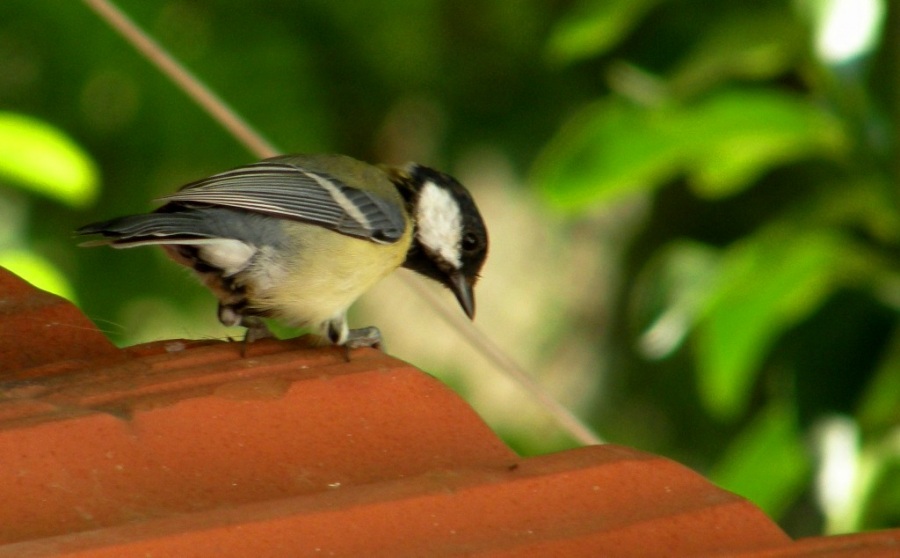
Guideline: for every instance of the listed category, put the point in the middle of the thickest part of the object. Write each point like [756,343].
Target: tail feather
[203,240]
[152,228]
[188,225]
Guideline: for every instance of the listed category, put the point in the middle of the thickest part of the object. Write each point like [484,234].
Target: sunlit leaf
[42,159]
[722,143]
[594,26]
[767,284]
[841,474]
[768,462]
[608,150]
[38,271]
[750,132]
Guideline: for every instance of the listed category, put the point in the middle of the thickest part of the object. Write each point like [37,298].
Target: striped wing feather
[291,192]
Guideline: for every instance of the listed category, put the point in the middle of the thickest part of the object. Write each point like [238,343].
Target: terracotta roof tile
[184,448]
[38,329]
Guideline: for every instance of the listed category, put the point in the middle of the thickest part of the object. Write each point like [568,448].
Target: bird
[298,238]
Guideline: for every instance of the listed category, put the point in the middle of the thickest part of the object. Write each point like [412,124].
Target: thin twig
[188,82]
[504,362]
[254,141]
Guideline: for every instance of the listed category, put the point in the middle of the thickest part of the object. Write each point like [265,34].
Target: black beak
[462,288]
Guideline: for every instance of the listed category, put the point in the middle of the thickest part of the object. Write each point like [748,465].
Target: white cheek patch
[439,223]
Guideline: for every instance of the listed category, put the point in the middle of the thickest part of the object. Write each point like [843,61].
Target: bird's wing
[291,192]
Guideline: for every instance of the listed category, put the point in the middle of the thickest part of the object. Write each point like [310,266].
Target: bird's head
[450,243]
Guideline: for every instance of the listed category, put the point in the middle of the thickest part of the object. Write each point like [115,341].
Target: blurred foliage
[753,330]
[767,266]
[37,157]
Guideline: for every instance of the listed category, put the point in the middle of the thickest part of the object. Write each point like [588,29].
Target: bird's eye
[469,242]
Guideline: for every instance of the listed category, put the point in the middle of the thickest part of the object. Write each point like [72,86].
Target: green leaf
[610,149]
[722,143]
[879,408]
[767,284]
[768,462]
[879,509]
[594,26]
[42,159]
[739,135]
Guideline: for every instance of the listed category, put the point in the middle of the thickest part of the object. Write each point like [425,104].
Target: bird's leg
[230,316]
[256,328]
[348,339]
[362,337]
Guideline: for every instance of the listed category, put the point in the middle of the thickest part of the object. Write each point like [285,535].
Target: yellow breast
[319,273]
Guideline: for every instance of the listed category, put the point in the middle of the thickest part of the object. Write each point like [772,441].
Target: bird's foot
[256,330]
[362,337]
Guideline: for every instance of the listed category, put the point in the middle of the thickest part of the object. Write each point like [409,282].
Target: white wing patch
[348,206]
[439,223]
[228,254]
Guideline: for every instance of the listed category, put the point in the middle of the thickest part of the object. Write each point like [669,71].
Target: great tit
[300,237]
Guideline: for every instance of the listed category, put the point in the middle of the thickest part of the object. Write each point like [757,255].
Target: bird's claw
[364,337]
[360,338]
[256,330]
